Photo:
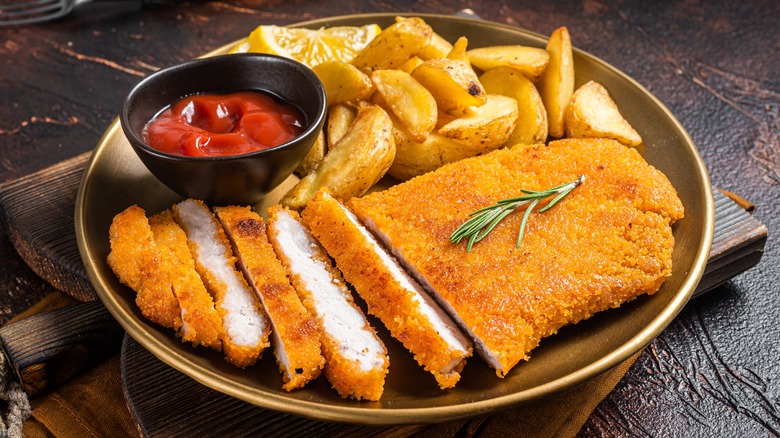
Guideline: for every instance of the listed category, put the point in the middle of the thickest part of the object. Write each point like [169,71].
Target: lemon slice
[309,46]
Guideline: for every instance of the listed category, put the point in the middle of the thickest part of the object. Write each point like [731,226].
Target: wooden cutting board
[37,213]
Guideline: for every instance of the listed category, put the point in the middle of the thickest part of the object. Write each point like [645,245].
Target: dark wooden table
[713,372]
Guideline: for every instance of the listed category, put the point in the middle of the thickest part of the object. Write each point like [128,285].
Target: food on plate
[309,46]
[340,118]
[556,84]
[459,50]
[413,158]
[295,335]
[531,126]
[135,259]
[209,125]
[530,61]
[593,113]
[484,128]
[313,157]
[452,82]
[394,45]
[437,47]
[396,299]
[410,102]
[356,360]
[245,323]
[201,324]
[608,242]
[354,164]
[343,82]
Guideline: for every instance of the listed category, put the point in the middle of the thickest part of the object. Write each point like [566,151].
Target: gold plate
[116,179]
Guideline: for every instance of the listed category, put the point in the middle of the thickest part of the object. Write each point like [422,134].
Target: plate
[115,179]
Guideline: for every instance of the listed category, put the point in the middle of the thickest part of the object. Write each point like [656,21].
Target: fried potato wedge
[459,50]
[357,161]
[593,113]
[484,128]
[531,127]
[340,118]
[394,45]
[416,158]
[556,84]
[313,157]
[411,64]
[343,82]
[452,83]
[531,61]
[410,102]
[437,47]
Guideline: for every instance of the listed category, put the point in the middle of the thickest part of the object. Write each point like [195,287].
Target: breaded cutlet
[294,334]
[397,300]
[609,241]
[136,260]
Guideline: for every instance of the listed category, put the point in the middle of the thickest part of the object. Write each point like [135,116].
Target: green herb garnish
[483,221]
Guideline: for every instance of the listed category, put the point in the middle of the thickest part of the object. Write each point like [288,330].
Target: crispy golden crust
[296,330]
[202,324]
[135,259]
[385,296]
[608,242]
[344,375]
[239,355]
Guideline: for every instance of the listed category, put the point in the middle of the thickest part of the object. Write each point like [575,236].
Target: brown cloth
[93,405]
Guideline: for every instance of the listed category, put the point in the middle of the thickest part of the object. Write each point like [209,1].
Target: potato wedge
[409,101]
[313,157]
[593,113]
[413,158]
[394,45]
[356,162]
[343,82]
[340,118]
[452,83]
[484,128]
[531,61]
[556,84]
[437,47]
[531,127]
[459,50]
[411,64]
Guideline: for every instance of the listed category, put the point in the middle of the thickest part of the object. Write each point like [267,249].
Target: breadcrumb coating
[243,319]
[356,360]
[201,322]
[295,337]
[606,243]
[397,300]
[136,260]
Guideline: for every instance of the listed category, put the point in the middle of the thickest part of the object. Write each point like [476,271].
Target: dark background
[713,372]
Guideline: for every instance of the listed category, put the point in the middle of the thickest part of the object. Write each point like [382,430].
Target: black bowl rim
[139,143]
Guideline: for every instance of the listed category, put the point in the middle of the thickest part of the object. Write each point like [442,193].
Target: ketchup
[209,125]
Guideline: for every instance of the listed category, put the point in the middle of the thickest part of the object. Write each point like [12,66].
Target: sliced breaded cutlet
[295,335]
[355,358]
[202,324]
[136,260]
[609,241]
[390,294]
[243,319]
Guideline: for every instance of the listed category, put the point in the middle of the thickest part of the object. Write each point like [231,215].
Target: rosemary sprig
[483,221]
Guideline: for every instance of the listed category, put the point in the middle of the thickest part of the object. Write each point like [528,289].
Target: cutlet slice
[245,324]
[136,260]
[295,335]
[390,294]
[355,358]
[201,322]
[609,241]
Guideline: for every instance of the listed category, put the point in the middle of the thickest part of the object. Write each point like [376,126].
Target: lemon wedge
[309,46]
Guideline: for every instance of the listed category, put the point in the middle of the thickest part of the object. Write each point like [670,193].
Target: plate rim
[385,416]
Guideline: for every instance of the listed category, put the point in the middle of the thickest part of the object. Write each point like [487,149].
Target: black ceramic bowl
[240,179]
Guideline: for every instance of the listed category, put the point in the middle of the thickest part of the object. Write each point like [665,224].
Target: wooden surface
[713,372]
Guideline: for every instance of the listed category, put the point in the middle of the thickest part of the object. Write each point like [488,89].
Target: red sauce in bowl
[211,125]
